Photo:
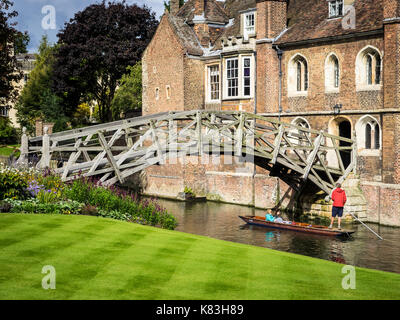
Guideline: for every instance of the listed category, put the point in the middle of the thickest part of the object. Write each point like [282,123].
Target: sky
[40,17]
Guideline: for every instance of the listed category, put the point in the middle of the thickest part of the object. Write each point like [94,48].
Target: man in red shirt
[339,199]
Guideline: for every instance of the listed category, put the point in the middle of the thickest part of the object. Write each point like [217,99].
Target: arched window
[368,131]
[377,137]
[332,73]
[298,75]
[368,134]
[298,136]
[368,68]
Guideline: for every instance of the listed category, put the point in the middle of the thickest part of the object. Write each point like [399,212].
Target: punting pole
[366,226]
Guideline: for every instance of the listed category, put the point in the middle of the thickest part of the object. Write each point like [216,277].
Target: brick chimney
[200,26]
[391,9]
[199,7]
[271,18]
[173,7]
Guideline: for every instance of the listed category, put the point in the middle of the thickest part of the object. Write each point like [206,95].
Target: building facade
[26,64]
[326,65]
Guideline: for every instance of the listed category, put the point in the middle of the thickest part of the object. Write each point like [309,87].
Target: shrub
[5,207]
[13,184]
[89,210]
[8,134]
[35,206]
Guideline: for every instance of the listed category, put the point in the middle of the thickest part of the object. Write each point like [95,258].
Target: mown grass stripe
[118,260]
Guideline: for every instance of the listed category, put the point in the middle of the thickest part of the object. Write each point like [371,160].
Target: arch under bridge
[114,151]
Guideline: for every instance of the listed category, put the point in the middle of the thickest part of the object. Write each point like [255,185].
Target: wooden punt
[296,226]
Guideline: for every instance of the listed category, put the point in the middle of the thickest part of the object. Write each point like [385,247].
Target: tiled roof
[186,35]
[214,12]
[308,20]
[233,8]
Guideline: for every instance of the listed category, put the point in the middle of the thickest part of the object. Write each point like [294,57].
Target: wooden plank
[277,144]
[312,156]
[239,137]
[110,156]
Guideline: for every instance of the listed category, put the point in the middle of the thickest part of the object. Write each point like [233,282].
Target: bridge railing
[116,150]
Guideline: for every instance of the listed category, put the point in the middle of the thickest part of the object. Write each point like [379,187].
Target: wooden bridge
[116,150]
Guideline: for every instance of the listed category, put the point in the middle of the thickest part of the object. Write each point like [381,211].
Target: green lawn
[99,258]
[8,150]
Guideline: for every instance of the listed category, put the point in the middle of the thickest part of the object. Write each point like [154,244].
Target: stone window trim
[241,76]
[369,77]
[249,24]
[168,91]
[157,93]
[374,140]
[213,83]
[299,122]
[332,73]
[298,76]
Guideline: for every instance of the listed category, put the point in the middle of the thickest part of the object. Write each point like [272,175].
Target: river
[221,221]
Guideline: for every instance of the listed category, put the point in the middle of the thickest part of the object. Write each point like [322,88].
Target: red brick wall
[271,18]
[317,99]
[163,65]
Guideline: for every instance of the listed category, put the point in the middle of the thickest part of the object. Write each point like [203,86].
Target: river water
[221,221]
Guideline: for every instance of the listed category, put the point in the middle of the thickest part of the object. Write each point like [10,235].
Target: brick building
[299,60]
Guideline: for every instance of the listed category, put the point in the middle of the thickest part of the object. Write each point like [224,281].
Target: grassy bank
[106,259]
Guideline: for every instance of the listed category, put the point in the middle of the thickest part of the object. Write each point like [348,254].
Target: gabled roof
[234,9]
[214,12]
[308,20]
[186,35]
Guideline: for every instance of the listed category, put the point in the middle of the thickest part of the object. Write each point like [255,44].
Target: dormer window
[335,8]
[249,24]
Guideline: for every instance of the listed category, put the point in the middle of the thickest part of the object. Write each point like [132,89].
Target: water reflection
[221,221]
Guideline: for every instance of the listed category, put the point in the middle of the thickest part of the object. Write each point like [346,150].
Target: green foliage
[117,204]
[128,96]
[168,6]
[189,191]
[9,68]
[48,194]
[21,43]
[8,134]
[13,184]
[37,100]
[36,207]
[97,45]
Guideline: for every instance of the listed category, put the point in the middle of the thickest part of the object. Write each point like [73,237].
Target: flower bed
[32,191]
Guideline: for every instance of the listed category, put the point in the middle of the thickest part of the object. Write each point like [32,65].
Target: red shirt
[339,198]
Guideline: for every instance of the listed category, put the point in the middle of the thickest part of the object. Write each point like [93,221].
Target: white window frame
[209,82]
[334,8]
[232,78]
[249,30]
[240,94]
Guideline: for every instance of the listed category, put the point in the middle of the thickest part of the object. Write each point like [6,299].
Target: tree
[37,100]
[96,47]
[9,71]
[8,134]
[167,5]
[21,43]
[128,96]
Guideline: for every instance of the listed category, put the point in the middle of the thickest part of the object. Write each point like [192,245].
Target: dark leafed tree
[9,71]
[96,47]
[167,4]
